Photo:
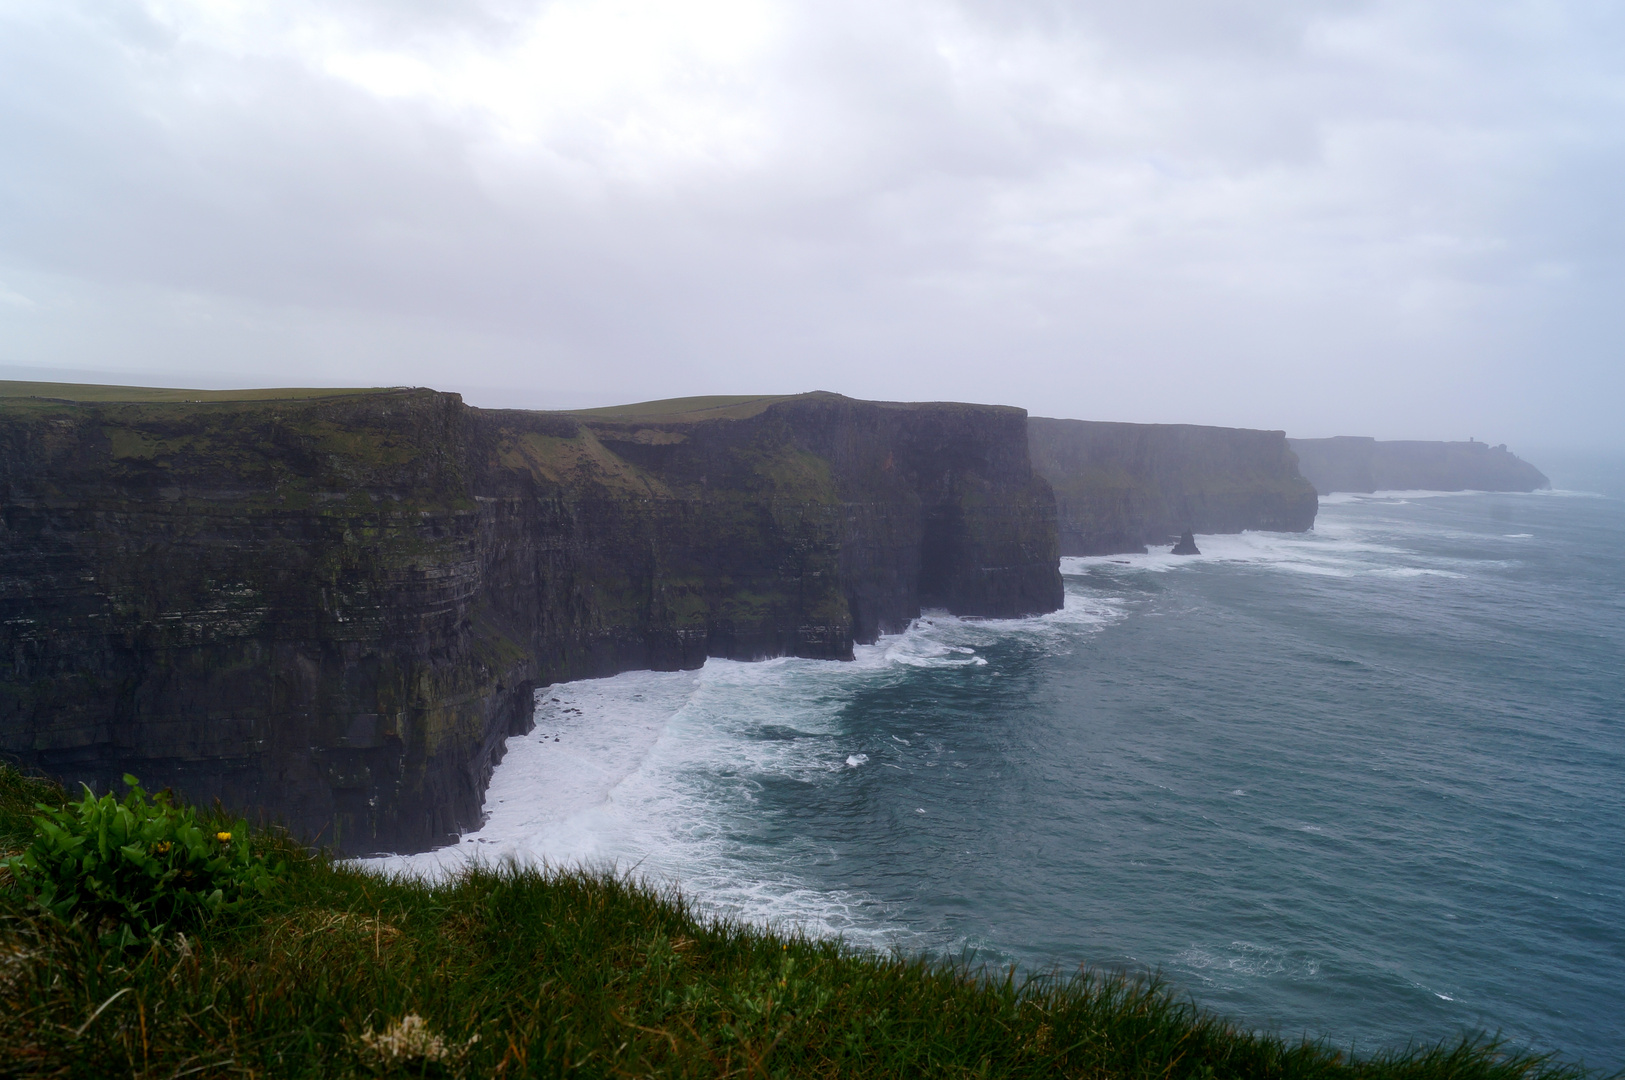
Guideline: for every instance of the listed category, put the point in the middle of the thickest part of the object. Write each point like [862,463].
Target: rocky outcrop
[1119,487]
[332,611]
[1186,545]
[1354,463]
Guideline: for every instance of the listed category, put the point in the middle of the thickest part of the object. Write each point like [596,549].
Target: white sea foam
[1341,545]
[557,787]
[1333,551]
[1247,959]
[1396,496]
[1414,571]
[661,772]
[1411,494]
[938,630]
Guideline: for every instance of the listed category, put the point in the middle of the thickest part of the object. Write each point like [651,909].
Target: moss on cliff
[573,461]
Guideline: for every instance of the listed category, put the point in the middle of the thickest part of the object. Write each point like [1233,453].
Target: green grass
[736,407]
[687,409]
[564,974]
[157,394]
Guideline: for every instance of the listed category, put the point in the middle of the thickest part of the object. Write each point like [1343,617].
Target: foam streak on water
[664,773]
[1363,782]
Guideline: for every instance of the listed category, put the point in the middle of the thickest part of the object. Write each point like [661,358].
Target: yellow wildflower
[223,837]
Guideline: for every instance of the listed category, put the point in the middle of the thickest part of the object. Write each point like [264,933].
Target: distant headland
[1358,464]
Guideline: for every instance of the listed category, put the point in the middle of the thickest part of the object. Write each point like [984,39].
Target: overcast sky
[1404,219]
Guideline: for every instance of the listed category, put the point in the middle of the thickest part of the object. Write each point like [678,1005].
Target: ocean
[1365,784]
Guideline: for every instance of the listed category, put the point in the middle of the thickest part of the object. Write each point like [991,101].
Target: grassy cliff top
[669,410]
[685,409]
[1062,423]
[340,972]
[158,394]
[741,407]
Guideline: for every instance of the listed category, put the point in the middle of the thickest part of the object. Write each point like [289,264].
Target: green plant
[20,796]
[130,870]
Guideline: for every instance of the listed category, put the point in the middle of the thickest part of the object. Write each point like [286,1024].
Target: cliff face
[333,611]
[1352,463]
[1119,487]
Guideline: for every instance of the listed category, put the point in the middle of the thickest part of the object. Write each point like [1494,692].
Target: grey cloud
[1397,219]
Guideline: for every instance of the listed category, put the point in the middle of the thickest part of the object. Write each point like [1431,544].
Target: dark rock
[1186,545]
[333,611]
[1120,487]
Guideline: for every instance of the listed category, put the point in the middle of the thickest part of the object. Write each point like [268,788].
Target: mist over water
[1366,783]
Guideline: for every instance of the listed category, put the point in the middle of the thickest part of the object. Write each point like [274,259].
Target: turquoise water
[1366,783]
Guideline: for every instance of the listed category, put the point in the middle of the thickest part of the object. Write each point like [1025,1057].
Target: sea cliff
[333,610]
[1119,487]
[1355,463]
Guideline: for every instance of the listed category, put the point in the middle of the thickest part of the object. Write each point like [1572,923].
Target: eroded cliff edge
[333,611]
[1361,464]
[1119,487]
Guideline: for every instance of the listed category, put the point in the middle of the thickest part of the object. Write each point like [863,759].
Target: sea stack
[1186,545]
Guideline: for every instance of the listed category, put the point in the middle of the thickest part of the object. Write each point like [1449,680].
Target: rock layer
[1355,463]
[1120,487]
[332,612]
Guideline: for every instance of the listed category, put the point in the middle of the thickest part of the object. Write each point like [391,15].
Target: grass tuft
[521,972]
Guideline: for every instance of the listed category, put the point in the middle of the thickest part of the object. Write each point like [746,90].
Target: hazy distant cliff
[335,609]
[1119,487]
[1352,463]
